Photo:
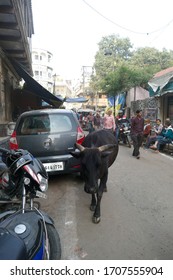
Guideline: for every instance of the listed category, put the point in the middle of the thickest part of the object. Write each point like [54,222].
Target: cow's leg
[97,213]
[93,202]
[104,181]
[96,216]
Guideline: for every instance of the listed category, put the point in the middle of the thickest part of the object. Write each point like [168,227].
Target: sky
[72,29]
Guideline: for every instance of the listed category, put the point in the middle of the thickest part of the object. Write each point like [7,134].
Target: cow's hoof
[92,207]
[96,220]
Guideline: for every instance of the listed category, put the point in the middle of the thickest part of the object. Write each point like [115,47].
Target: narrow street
[136,212]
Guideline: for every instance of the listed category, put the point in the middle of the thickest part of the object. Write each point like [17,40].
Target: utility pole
[86,74]
[112,53]
[83,79]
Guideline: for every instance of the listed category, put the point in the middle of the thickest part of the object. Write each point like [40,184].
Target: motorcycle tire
[129,142]
[54,243]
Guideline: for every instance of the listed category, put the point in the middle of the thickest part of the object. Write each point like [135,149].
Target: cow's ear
[76,153]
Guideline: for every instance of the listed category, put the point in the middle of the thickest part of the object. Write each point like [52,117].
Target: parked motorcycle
[26,232]
[124,134]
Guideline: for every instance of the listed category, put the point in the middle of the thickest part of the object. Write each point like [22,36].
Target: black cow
[97,153]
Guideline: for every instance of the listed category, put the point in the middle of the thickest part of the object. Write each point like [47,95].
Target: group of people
[155,138]
[163,134]
[107,122]
[141,131]
[93,122]
[96,122]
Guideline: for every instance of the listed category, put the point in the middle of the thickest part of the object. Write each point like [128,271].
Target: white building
[42,67]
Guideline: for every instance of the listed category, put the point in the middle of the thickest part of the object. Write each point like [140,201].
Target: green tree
[113,50]
[151,59]
[118,67]
[124,78]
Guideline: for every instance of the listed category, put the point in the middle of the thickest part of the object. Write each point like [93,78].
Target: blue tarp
[76,100]
[69,100]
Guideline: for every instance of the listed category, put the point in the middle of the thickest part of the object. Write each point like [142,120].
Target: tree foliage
[113,50]
[118,67]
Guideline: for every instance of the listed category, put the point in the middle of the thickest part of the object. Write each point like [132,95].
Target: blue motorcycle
[26,232]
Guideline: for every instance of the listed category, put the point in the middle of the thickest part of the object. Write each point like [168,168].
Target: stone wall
[149,107]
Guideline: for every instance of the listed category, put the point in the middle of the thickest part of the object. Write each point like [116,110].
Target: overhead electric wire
[127,29]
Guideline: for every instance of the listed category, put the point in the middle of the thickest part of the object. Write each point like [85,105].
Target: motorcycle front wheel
[129,141]
[54,246]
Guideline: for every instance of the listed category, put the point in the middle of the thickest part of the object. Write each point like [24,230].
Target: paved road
[137,211]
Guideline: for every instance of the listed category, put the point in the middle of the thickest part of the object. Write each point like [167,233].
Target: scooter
[26,232]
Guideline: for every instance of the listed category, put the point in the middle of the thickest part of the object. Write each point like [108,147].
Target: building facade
[16,29]
[62,87]
[42,68]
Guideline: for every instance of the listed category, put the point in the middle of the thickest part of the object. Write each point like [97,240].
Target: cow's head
[94,164]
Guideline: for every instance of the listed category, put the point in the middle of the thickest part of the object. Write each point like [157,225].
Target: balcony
[16,29]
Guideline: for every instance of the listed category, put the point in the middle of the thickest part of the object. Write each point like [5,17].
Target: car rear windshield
[46,123]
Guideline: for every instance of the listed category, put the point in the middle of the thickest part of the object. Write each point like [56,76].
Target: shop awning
[161,83]
[35,88]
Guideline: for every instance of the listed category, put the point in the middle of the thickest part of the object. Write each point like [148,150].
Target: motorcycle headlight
[43,183]
[27,181]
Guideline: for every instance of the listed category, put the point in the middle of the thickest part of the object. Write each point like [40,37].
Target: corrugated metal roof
[160,80]
[163,72]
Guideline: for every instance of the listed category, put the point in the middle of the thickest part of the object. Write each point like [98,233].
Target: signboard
[150,113]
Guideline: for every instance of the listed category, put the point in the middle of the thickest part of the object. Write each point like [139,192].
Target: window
[44,124]
[60,123]
[36,56]
[35,125]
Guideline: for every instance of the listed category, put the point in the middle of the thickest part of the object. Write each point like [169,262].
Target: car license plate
[54,166]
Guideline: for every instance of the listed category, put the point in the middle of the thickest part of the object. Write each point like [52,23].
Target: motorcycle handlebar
[3,150]
[14,154]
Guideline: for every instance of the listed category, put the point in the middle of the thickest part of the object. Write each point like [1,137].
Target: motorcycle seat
[12,247]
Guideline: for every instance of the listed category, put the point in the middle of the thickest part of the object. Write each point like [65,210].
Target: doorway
[170,108]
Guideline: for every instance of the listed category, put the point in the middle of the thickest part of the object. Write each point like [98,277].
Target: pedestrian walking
[90,121]
[109,122]
[137,128]
[97,121]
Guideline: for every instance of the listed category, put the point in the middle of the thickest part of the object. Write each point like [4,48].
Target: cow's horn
[105,147]
[80,147]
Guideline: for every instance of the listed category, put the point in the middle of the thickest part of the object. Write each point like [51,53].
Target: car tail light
[80,135]
[13,141]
